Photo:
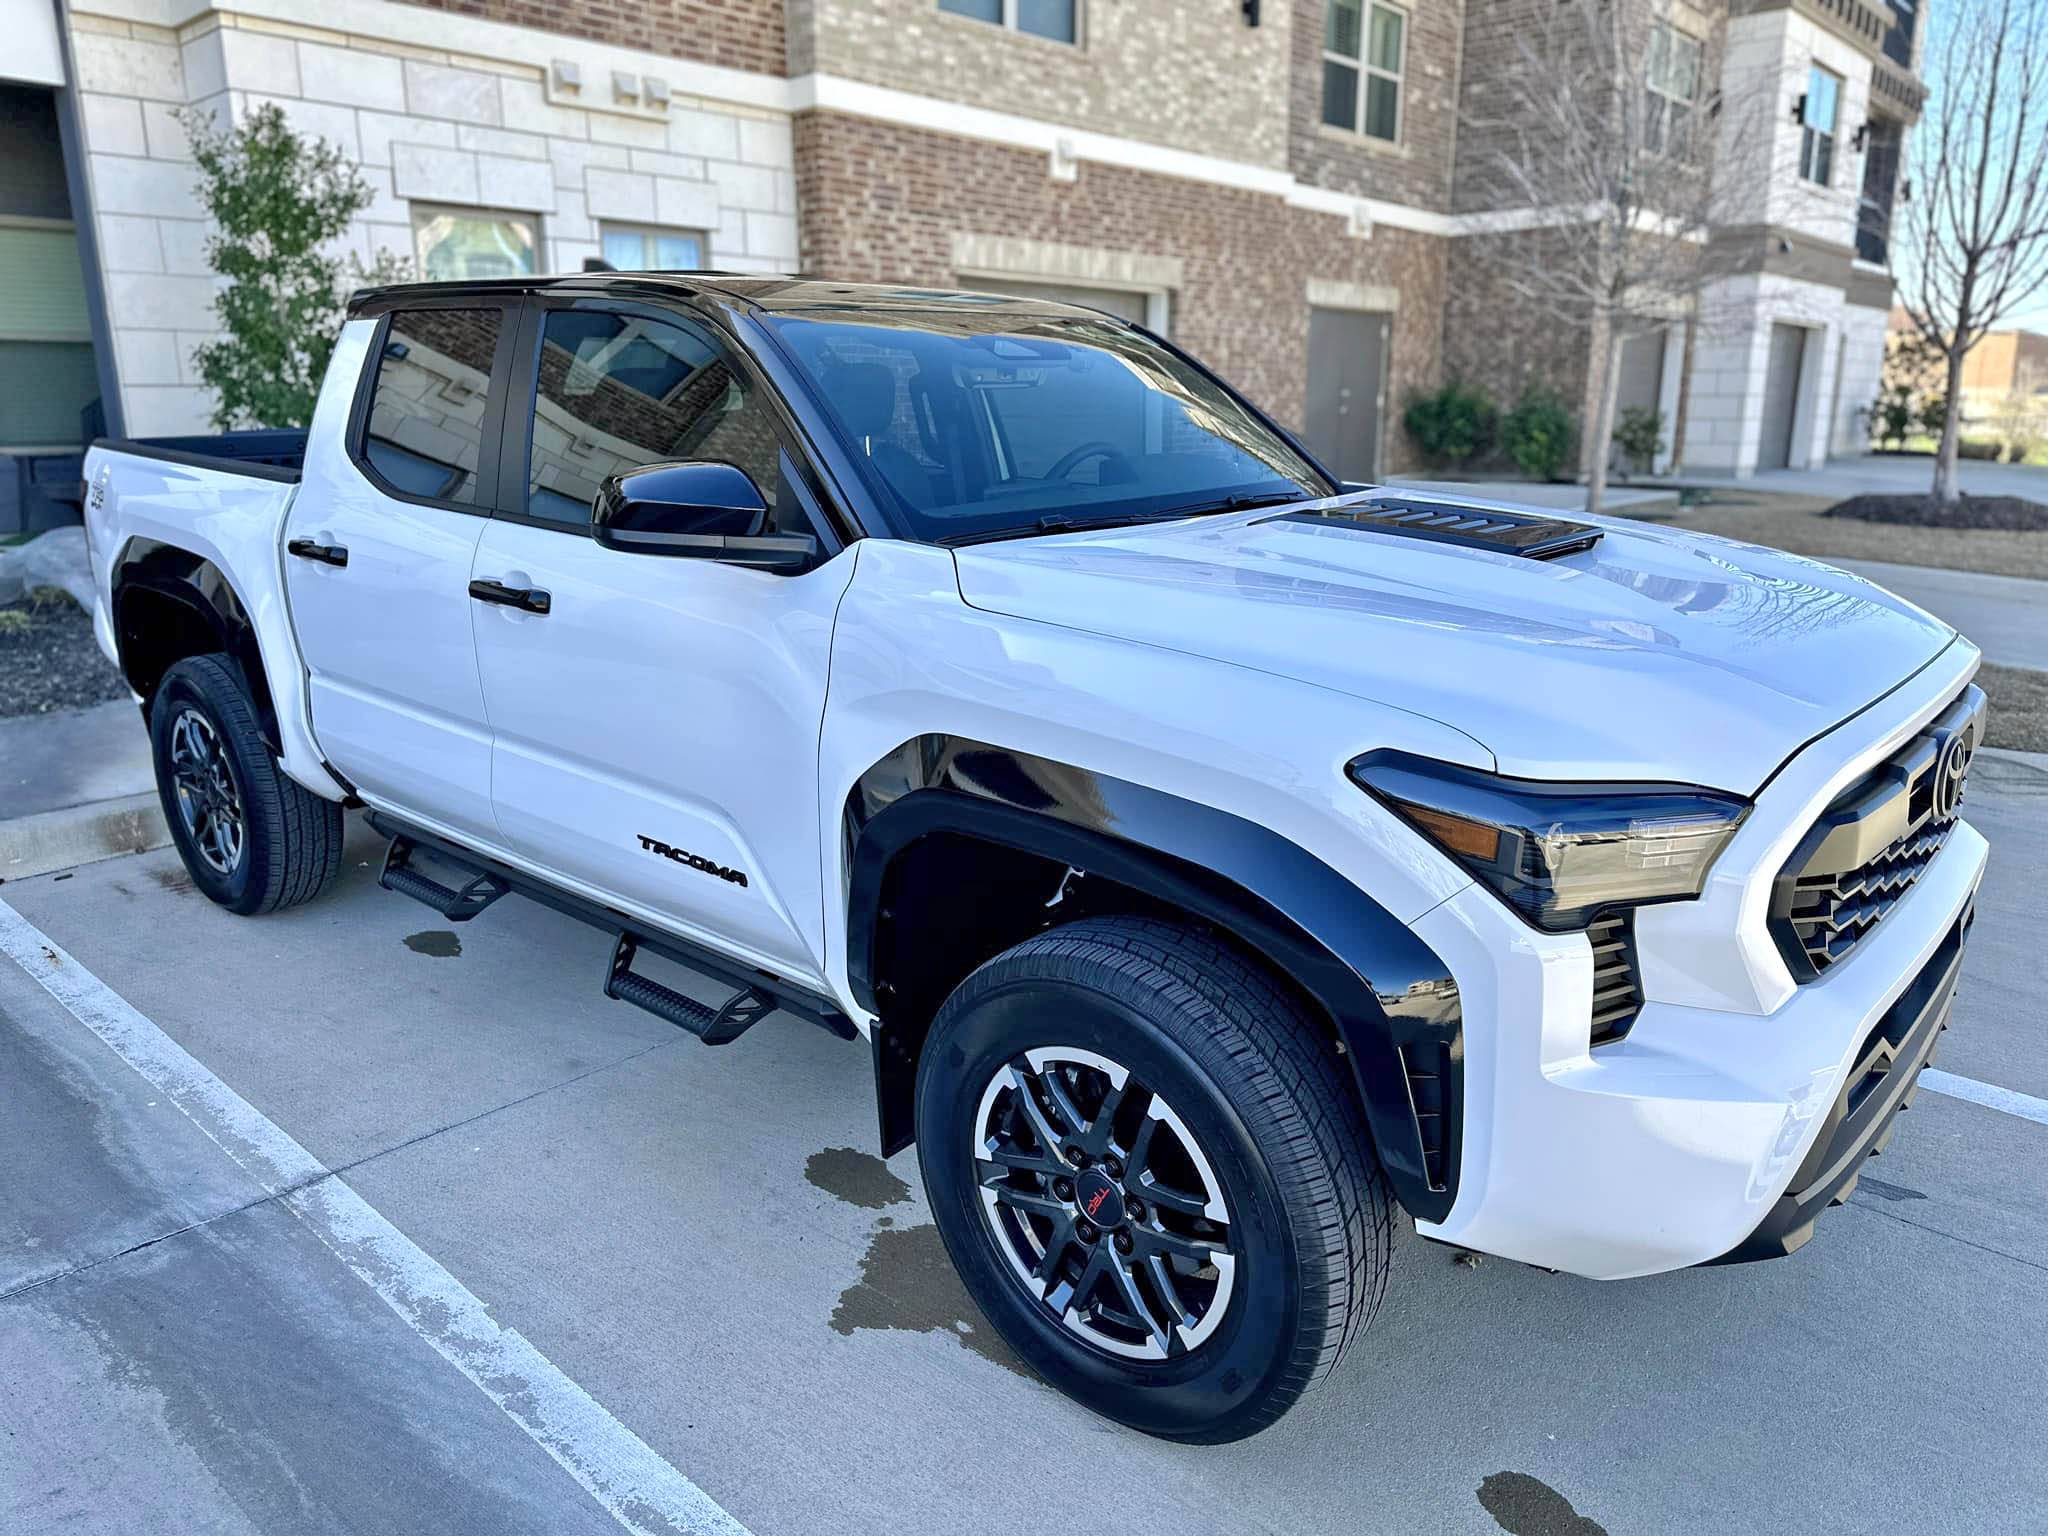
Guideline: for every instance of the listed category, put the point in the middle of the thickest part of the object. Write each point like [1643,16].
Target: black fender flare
[1393,1000]
[202,594]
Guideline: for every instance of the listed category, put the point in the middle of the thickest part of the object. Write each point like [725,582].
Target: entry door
[1639,386]
[1781,396]
[1347,383]
[379,544]
[656,730]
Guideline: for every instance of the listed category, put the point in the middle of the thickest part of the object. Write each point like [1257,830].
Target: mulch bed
[2013,513]
[49,659]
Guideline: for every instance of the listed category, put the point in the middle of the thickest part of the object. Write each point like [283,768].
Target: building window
[1059,20]
[631,248]
[1817,125]
[1670,90]
[458,243]
[1880,186]
[1363,51]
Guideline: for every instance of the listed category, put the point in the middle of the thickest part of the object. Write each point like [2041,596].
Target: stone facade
[885,203]
[425,127]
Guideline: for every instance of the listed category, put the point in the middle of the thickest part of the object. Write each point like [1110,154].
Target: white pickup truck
[1226,866]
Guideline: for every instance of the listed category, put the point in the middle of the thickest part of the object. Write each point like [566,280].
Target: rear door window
[423,435]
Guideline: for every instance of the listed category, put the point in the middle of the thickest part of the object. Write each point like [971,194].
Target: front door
[1781,396]
[1347,384]
[379,544]
[656,729]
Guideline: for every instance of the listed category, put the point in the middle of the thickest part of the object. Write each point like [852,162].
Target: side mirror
[695,508]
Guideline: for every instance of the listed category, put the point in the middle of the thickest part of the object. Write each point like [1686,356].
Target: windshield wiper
[1052,522]
[1238,502]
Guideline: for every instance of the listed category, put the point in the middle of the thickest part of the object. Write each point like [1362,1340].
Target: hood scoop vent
[1443,522]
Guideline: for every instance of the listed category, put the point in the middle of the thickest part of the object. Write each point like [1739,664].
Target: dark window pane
[980,10]
[1386,39]
[1047,18]
[1342,28]
[1382,107]
[1340,95]
[618,391]
[426,415]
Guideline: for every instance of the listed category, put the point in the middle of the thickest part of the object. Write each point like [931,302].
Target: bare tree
[1971,245]
[1605,147]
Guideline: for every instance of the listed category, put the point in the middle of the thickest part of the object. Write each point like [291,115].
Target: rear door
[379,545]
[656,729]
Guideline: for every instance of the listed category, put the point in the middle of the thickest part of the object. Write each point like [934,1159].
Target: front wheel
[1146,1166]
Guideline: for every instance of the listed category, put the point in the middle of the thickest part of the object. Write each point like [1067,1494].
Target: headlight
[1559,853]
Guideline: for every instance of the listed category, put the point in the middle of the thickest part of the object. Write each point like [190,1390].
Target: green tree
[278,202]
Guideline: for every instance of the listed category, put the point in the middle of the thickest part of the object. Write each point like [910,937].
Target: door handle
[326,554]
[531,599]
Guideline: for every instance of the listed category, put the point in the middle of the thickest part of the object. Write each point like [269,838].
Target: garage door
[1117,301]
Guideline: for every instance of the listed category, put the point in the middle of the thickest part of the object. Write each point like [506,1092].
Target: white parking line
[639,1489]
[2005,1100]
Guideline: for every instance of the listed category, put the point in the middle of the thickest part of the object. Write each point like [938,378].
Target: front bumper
[1681,1143]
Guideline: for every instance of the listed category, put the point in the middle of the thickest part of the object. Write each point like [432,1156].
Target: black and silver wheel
[252,839]
[1151,1176]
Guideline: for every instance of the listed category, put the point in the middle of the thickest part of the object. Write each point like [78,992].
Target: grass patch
[2017,714]
[1798,525]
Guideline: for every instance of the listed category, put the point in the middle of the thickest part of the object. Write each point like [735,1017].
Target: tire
[1279,1151]
[252,839]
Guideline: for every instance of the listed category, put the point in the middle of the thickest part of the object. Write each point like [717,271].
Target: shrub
[1537,434]
[1891,418]
[1640,436]
[1933,414]
[1452,425]
[278,201]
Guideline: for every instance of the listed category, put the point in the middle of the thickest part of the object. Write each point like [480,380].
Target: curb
[80,834]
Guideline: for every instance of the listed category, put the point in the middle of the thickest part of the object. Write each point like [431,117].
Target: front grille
[1870,847]
[1617,991]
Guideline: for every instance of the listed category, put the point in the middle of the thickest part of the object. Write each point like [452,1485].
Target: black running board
[755,993]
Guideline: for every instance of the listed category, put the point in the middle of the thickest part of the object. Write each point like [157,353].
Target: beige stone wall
[1184,73]
[886,204]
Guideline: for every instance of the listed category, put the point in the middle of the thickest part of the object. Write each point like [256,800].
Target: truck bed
[268,454]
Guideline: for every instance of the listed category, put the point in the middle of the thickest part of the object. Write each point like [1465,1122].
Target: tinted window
[987,419]
[618,391]
[427,411]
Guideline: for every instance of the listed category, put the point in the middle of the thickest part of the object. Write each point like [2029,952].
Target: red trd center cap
[1099,1199]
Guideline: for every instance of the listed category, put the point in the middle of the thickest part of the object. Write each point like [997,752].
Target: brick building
[1275,183]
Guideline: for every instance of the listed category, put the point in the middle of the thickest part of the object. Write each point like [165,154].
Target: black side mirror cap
[695,508]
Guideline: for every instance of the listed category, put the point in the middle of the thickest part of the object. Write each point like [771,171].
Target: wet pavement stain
[438,942]
[172,878]
[1527,1506]
[1889,1191]
[908,1283]
[858,1178]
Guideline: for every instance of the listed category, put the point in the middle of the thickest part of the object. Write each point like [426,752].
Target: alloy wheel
[1103,1203]
[208,802]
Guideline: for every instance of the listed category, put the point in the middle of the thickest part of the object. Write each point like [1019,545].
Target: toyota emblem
[1951,768]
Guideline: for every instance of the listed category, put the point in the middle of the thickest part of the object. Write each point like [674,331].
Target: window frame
[1007,22]
[1811,133]
[515,461]
[1368,71]
[1652,88]
[648,233]
[490,442]
[422,210]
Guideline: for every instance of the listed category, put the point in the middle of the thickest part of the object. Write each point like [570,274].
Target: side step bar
[755,995]
[457,905]
[714,1026]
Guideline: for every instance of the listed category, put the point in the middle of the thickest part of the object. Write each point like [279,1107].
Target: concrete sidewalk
[75,785]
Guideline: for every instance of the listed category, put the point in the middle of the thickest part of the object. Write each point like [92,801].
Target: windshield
[981,424]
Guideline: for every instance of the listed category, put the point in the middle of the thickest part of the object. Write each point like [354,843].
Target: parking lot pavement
[701,1241]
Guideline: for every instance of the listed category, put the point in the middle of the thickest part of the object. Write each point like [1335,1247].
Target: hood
[1652,654]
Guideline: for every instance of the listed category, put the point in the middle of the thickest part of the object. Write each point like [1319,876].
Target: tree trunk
[1946,491]
[1603,422]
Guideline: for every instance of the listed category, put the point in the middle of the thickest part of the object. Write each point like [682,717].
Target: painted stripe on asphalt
[2005,1100]
[636,1486]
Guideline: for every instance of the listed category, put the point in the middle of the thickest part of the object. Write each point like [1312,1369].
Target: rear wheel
[1148,1170]
[252,839]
